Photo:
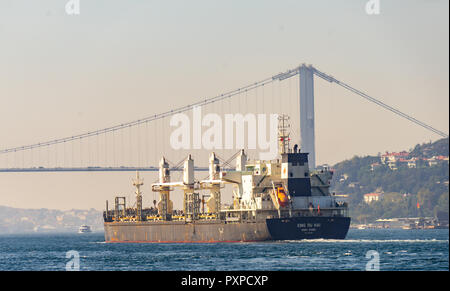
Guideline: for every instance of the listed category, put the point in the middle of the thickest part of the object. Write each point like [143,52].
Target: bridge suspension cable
[143,120]
[378,102]
[326,77]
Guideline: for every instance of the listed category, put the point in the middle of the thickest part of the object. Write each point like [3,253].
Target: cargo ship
[280,199]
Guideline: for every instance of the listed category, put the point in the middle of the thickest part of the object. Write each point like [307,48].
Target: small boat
[84,229]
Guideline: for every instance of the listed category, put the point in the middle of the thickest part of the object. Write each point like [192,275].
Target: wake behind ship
[272,200]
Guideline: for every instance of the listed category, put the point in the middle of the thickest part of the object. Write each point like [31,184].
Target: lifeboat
[282,197]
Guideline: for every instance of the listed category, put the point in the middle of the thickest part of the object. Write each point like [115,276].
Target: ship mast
[138,182]
[283,134]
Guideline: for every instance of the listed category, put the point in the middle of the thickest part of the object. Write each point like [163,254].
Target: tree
[443,203]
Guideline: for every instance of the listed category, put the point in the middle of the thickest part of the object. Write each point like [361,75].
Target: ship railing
[239,214]
[204,216]
[153,218]
[207,216]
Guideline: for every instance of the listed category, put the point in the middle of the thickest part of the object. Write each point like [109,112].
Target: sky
[118,61]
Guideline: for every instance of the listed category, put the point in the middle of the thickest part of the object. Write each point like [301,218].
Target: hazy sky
[118,61]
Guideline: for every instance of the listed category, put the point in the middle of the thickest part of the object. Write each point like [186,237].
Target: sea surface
[386,249]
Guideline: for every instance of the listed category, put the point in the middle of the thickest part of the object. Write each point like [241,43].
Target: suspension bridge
[139,144]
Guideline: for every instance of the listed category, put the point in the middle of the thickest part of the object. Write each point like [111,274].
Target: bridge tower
[307,135]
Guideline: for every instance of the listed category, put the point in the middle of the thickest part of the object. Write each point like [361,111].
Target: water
[397,249]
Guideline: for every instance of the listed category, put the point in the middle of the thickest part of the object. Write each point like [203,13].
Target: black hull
[296,228]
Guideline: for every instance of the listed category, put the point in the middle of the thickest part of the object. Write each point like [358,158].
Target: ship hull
[180,232]
[293,228]
[308,228]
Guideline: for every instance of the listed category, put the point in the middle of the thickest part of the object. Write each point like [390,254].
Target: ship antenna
[138,182]
[283,134]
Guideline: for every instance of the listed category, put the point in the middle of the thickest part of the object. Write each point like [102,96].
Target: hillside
[427,150]
[419,175]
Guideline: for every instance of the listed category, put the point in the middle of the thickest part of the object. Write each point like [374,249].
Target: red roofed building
[391,159]
[412,163]
[442,158]
[436,159]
